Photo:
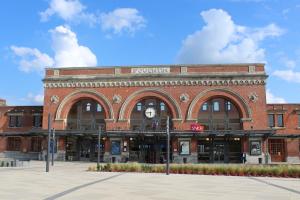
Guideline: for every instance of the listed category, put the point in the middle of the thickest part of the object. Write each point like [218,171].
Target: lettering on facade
[151,70]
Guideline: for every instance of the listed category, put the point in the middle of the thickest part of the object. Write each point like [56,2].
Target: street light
[53,146]
[168,147]
[54,99]
[99,143]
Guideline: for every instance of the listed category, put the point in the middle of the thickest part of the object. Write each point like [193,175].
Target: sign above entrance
[150,70]
[197,127]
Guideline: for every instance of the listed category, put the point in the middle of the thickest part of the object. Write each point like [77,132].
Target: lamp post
[53,146]
[98,150]
[49,137]
[53,99]
[168,147]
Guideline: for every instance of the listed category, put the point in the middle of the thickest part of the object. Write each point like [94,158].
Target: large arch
[69,100]
[129,103]
[219,92]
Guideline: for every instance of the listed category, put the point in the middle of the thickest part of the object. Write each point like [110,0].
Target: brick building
[218,113]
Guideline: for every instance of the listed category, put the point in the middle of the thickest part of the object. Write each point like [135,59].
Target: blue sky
[62,33]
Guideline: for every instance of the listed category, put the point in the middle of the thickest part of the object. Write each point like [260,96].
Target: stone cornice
[148,83]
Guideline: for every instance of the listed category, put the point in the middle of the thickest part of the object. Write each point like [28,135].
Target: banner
[197,127]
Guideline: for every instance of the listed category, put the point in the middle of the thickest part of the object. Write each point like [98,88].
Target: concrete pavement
[71,181]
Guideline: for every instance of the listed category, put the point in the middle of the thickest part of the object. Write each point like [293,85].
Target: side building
[218,114]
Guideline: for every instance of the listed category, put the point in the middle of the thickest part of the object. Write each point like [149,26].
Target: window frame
[280,123]
[273,120]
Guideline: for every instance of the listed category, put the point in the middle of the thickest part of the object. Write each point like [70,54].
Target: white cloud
[223,41]
[34,99]
[122,20]
[67,53]
[271,98]
[288,75]
[32,59]
[68,10]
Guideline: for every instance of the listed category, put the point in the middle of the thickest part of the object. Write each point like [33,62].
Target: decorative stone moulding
[54,99]
[96,84]
[184,97]
[253,97]
[117,99]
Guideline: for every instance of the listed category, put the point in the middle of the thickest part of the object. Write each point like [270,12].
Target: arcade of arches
[145,141]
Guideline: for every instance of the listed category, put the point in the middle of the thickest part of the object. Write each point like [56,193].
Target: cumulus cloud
[34,99]
[222,41]
[68,10]
[122,20]
[271,98]
[32,59]
[67,53]
[288,75]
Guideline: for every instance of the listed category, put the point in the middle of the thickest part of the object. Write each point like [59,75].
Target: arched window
[88,107]
[219,114]
[86,114]
[150,115]
[99,108]
[162,106]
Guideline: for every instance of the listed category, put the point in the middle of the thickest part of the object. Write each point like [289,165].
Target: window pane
[99,108]
[18,121]
[216,106]
[88,107]
[228,105]
[12,121]
[298,120]
[271,120]
[205,106]
[280,120]
[162,106]
[139,106]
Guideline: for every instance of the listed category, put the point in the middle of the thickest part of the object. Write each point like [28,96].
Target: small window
[37,121]
[162,106]
[228,105]
[14,143]
[204,107]
[216,106]
[298,120]
[99,108]
[15,121]
[271,120]
[280,120]
[88,107]
[139,106]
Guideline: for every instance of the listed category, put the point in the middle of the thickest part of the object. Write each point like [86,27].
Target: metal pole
[99,143]
[168,147]
[48,147]
[53,146]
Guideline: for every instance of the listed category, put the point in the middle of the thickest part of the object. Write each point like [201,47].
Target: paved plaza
[68,180]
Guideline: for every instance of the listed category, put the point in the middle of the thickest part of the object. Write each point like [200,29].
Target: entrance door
[85,150]
[218,152]
[277,150]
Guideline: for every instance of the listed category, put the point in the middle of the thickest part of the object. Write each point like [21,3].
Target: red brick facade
[184,89]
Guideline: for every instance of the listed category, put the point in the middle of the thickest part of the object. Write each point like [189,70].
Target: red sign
[197,127]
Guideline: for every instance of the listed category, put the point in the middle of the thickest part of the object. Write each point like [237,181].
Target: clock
[150,113]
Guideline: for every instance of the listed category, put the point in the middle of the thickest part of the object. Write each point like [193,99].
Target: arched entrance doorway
[220,115]
[84,118]
[148,120]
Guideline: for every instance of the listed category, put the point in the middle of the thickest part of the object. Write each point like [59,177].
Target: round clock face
[150,112]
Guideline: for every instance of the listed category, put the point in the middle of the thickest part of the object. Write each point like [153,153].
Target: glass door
[218,153]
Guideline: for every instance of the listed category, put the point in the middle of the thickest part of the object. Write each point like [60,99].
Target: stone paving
[70,180]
